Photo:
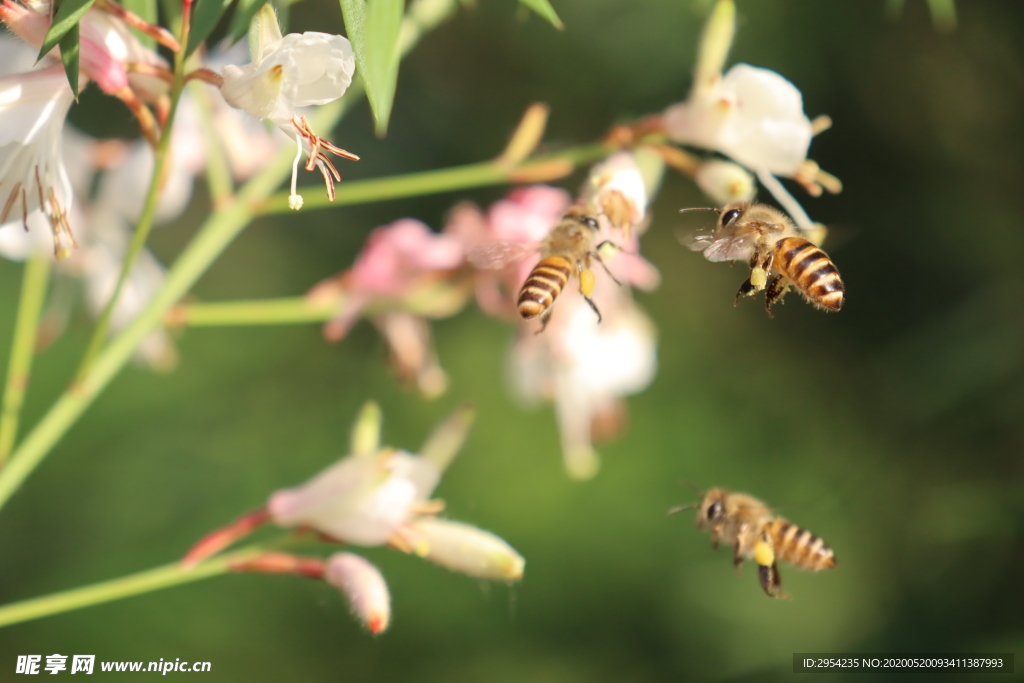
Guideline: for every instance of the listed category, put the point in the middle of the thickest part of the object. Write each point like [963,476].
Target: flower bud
[364,586]
[725,182]
[462,548]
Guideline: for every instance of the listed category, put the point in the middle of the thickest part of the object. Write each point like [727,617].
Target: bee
[755,532]
[567,249]
[768,240]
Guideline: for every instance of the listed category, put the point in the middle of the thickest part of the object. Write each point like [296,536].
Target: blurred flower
[405,273]
[296,70]
[752,115]
[582,364]
[364,587]
[35,191]
[360,582]
[586,368]
[462,548]
[615,188]
[365,497]
[725,182]
[378,495]
[755,116]
[100,262]
[109,54]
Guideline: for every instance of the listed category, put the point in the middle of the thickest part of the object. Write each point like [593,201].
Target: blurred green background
[893,430]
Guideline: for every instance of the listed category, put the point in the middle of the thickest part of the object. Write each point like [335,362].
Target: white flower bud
[364,586]
[725,182]
[463,548]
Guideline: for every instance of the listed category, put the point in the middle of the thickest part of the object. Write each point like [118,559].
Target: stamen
[39,190]
[295,199]
[24,208]
[62,217]
[317,156]
[327,181]
[11,198]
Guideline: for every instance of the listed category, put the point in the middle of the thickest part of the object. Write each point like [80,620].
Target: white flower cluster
[375,496]
[752,115]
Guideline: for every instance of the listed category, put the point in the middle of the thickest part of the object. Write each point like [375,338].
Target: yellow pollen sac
[758,277]
[587,282]
[607,249]
[763,554]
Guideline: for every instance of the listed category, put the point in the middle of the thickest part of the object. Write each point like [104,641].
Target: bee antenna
[693,487]
[680,508]
[702,208]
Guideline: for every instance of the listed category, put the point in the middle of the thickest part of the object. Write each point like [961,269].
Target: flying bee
[768,240]
[568,248]
[755,532]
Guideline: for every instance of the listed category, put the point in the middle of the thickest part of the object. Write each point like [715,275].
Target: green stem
[291,311]
[218,172]
[33,296]
[145,224]
[429,182]
[124,587]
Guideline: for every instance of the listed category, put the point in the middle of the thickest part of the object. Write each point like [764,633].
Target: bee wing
[696,241]
[728,248]
[497,255]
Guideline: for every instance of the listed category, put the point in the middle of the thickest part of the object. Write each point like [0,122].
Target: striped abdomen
[544,283]
[799,546]
[811,271]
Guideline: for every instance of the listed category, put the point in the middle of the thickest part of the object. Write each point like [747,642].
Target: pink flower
[107,47]
[511,235]
[404,274]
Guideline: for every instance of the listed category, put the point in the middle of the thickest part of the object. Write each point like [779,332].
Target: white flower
[585,368]
[361,499]
[753,115]
[364,498]
[35,192]
[297,70]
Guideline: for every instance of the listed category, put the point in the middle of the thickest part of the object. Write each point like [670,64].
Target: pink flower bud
[364,586]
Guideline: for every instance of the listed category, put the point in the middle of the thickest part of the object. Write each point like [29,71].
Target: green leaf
[204,19]
[544,9]
[244,13]
[69,55]
[145,10]
[68,14]
[373,28]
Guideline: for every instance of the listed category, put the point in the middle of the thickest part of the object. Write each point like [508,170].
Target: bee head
[731,213]
[712,509]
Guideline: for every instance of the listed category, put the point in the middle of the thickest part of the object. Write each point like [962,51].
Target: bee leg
[737,559]
[777,289]
[770,580]
[544,320]
[594,306]
[768,568]
[746,289]
[586,277]
[607,245]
